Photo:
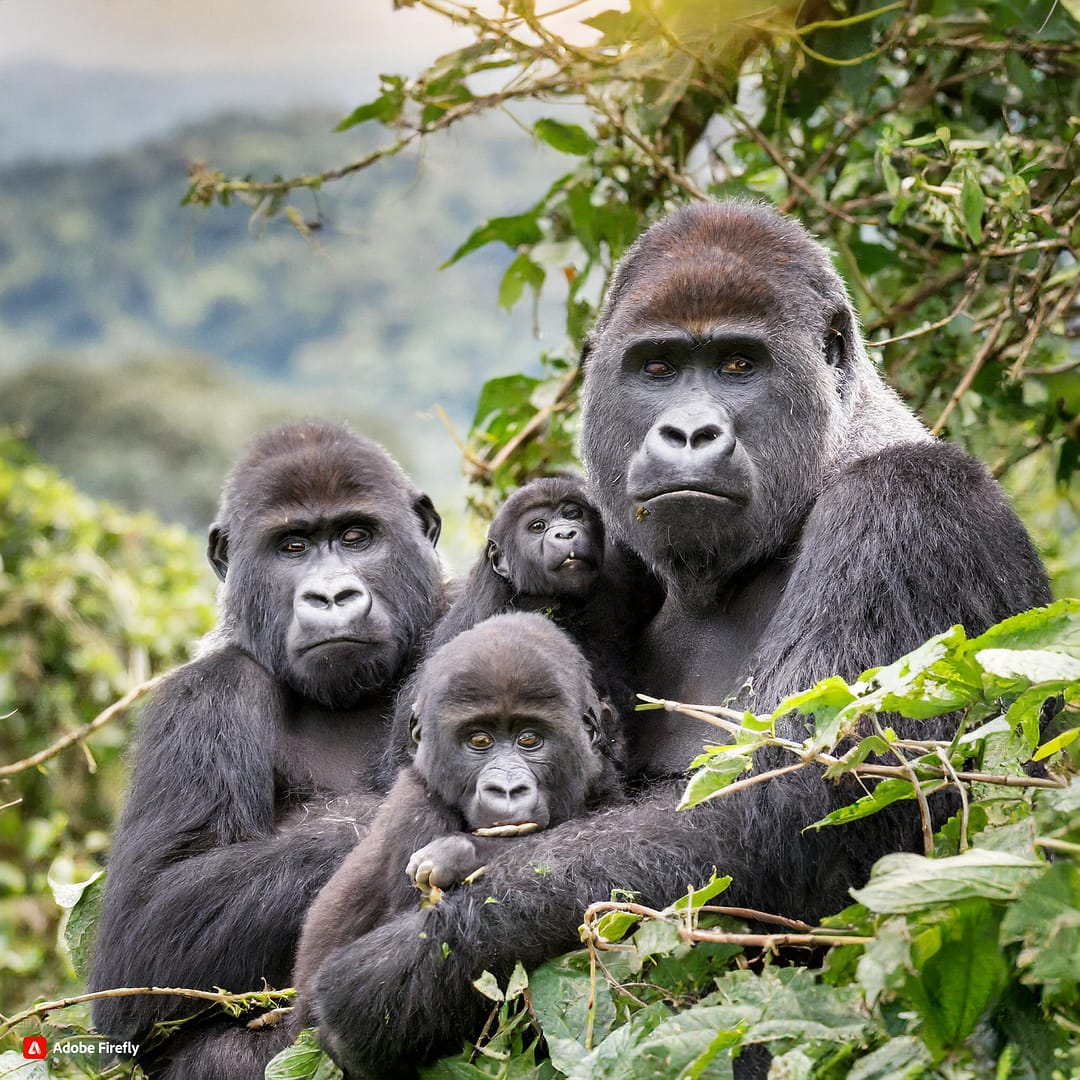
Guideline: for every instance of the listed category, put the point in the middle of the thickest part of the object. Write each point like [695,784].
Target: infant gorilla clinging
[508,739]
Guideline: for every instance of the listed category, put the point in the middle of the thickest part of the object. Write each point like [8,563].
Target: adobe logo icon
[34,1048]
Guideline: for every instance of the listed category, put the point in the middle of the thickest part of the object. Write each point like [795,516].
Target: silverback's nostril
[673,436]
[703,436]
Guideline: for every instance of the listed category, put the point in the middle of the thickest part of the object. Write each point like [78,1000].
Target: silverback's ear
[414,725]
[840,340]
[217,549]
[425,510]
[498,560]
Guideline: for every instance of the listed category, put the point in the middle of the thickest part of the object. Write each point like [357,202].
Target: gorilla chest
[320,752]
[698,657]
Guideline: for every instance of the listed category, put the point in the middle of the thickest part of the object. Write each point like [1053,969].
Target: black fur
[258,764]
[738,439]
[521,687]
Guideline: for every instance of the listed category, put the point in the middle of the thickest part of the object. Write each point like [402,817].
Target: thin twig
[535,423]
[812,938]
[964,385]
[944,758]
[217,997]
[78,735]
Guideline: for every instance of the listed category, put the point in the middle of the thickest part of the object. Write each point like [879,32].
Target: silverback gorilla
[257,764]
[508,740]
[803,523]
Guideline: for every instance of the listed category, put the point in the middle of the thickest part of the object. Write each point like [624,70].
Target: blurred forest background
[143,342]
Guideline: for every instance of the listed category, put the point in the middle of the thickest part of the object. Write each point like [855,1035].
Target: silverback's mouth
[663,495]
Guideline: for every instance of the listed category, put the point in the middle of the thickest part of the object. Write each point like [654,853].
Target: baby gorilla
[546,551]
[508,740]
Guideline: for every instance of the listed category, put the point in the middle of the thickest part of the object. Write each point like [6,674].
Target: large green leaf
[904,882]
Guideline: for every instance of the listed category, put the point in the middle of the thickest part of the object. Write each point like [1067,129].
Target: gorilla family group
[759,511]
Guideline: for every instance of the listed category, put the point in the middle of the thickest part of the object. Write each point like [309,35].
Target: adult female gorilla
[804,524]
[260,763]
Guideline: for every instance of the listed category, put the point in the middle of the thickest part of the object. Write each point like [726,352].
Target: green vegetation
[93,601]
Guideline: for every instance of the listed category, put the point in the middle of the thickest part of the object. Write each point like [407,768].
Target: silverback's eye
[529,740]
[657,369]
[356,536]
[293,546]
[480,740]
[737,365]
[537,526]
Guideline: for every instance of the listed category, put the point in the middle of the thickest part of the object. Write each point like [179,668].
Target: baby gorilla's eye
[480,740]
[356,536]
[529,740]
[571,512]
[293,546]
[537,526]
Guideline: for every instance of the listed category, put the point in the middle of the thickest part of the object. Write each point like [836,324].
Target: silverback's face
[712,386]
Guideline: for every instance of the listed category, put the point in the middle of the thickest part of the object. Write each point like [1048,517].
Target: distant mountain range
[100,265]
[54,113]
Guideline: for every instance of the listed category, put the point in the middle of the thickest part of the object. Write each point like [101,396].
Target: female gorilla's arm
[202,891]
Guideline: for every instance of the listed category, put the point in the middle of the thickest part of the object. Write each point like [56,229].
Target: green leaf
[718,772]
[884,962]
[520,230]
[1035,665]
[656,937]
[518,982]
[559,992]
[488,985]
[1046,919]
[1056,744]
[566,138]
[695,898]
[386,108]
[885,794]
[972,202]
[959,982]
[1055,627]
[902,1058]
[304,1060]
[903,882]
[614,925]
[83,902]
[521,272]
[13,1066]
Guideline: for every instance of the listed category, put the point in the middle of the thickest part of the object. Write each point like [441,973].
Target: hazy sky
[189,36]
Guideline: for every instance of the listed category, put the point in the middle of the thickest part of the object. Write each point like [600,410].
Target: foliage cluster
[92,602]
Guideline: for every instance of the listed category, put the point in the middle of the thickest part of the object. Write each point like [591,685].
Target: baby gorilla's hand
[446,861]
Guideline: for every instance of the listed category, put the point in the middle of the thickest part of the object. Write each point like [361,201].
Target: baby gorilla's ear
[599,719]
[498,560]
[414,723]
